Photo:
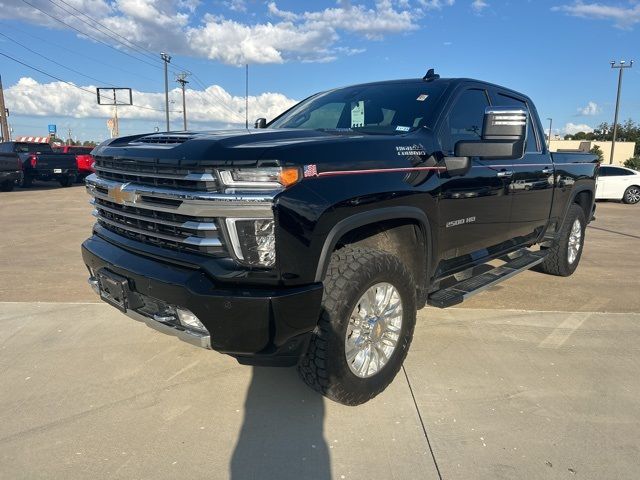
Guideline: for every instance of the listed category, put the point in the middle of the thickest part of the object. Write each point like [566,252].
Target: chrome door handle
[547,170]
[505,174]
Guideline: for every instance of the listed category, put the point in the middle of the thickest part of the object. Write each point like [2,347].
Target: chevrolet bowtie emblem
[122,196]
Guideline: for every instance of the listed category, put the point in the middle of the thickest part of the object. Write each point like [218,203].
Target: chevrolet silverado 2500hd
[314,238]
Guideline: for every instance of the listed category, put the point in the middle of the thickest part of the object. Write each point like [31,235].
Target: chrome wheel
[632,195]
[373,330]
[575,241]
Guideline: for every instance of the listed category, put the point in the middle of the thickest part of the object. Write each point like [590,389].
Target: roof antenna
[431,75]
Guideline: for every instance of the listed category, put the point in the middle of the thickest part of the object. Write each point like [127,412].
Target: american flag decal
[310,171]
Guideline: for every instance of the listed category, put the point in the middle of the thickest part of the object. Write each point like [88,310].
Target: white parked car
[618,183]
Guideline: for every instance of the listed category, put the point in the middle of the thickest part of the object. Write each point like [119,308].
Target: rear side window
[615,172]
[464,121]
[507,101]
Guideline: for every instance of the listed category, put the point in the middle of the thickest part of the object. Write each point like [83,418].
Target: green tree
[633,162]
[596,150]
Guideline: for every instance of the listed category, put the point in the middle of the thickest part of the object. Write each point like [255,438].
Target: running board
[460,291]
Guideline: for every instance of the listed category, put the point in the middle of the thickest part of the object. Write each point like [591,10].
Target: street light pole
[550,124]
[166,58]
[620,66]
[182,80]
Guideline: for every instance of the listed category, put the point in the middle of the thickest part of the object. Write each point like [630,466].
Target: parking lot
[535,378]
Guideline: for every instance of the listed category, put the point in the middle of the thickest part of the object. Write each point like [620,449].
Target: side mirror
[504,135]
[260,123]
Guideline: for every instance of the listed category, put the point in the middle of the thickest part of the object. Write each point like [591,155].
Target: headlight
[267,177]
[253,240]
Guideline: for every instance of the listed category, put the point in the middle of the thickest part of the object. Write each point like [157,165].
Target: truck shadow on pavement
[282,432]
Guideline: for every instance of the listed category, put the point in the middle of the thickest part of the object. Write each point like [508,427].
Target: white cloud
[436,4]
[213,105]
[622,16]
[591,109]
[572,128]
[172,25]
[479,5]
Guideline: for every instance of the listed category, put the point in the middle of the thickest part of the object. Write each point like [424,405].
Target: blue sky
[557,52]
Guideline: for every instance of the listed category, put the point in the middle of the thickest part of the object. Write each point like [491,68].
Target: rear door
[532,178]
[474,208]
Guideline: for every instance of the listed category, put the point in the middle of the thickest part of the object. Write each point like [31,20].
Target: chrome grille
[150,172]
[176,219]
[162,229]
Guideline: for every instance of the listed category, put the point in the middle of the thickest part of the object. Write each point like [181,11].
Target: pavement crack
[424,428]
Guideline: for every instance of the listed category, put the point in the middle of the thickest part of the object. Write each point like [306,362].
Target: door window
[464,121]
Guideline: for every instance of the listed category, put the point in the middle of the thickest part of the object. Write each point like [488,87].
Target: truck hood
[226,147]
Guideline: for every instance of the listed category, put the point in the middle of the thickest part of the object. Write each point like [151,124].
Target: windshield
[33,147]
[389,108]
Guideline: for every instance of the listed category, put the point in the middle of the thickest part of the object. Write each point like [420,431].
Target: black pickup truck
[10,171]
[314,238]
[40,162]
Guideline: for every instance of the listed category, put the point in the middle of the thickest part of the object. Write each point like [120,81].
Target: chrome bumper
[197,339]
[194,338]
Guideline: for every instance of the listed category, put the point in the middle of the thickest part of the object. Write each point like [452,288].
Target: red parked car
[84,159]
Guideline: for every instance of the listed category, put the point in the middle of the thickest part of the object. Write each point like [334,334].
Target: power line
[88,57]
[220,101]
[90,36]
[72,84]
[94,26]
[53,61]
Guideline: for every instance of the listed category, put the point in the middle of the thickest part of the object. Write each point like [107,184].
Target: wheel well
[585,200]
[400,237]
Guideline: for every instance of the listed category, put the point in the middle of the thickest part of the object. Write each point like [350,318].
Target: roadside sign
[52,129]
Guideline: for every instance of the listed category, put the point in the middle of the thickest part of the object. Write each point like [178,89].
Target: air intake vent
[164,139]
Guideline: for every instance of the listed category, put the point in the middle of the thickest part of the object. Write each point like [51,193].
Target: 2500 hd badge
[313,239]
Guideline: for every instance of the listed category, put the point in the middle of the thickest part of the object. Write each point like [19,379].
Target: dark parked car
[314,239]
[40,162]
[10,170]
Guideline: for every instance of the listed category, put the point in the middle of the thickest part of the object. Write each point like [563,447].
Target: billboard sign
[52,129]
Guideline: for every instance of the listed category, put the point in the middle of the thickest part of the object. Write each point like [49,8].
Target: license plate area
[57,170]
[114,289]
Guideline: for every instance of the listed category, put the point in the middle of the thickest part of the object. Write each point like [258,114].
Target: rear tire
[7,186]
[26,181]
[631,195]
[66,181]
[352,321]
[563,258]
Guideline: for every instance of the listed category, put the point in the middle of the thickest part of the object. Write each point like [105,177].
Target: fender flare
[358,220]
[572,200]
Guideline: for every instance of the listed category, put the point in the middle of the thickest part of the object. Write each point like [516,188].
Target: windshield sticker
[409,150]
[357,114]
[402,129]
[422,98]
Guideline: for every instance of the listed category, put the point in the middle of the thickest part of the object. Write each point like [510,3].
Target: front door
[532,182]
[474,208]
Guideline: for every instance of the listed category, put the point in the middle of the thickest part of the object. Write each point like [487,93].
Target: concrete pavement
[535,378]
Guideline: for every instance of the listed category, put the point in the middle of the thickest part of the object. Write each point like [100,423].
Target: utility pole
[4,124]
[182,80]
[550,124]
[166,58]
[620,66]
[69,137]
[246,98]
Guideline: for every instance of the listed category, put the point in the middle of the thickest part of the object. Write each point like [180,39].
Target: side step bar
[460,291]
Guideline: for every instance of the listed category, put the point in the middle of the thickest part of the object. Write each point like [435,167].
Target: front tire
[365,328]
[631,195]
[563,257]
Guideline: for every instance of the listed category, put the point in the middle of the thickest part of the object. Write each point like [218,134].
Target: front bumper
[259,326]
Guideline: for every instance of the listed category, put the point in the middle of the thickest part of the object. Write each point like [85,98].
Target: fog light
[189,320]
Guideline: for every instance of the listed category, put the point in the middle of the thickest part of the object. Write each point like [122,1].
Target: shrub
[633,162]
